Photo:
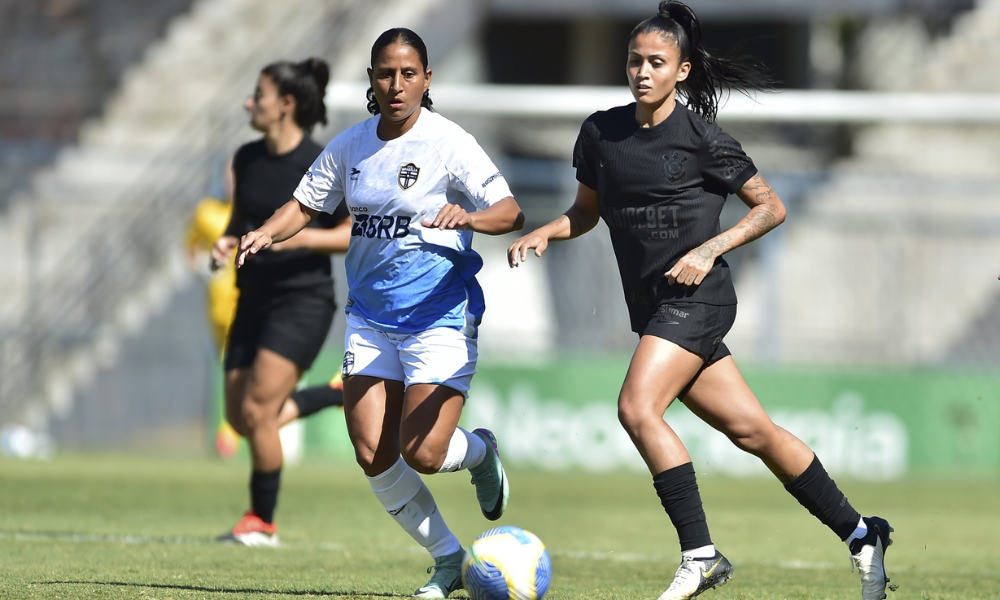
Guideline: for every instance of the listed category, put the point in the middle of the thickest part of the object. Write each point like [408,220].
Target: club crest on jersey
[675,166]
[408,174]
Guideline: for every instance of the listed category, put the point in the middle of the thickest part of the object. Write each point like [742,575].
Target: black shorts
[292,323]
[696,327]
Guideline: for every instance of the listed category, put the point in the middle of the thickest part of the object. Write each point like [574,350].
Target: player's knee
[754,438]
[234,415]
[631,414]
[256,413]
[364,454]
[423,459]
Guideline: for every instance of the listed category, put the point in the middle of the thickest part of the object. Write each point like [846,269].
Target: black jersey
[263,183]
[661,190]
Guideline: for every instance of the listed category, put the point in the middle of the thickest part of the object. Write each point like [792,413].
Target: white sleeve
[322,188]
[474,174]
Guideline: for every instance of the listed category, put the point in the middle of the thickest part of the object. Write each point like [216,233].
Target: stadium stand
[901,222]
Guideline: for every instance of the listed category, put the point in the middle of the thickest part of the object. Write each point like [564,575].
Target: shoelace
[687,566]
[856,560]
[440,585]
[433,567]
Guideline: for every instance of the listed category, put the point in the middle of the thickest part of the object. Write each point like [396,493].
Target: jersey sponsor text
[374,226]
[492,178]
[660,220]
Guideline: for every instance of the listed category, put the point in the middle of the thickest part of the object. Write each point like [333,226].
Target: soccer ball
[507,563]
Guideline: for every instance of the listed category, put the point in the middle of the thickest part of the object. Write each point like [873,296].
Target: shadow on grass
[226,590]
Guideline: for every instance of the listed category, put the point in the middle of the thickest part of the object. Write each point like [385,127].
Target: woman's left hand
[252,243]
[452,216]
[692,268]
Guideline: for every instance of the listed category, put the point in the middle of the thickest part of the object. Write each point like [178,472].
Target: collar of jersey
[655,129]
[378,119]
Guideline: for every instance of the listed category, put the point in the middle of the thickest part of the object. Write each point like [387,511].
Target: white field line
[47,536]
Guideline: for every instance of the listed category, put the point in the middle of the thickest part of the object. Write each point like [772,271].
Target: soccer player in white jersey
[417,187]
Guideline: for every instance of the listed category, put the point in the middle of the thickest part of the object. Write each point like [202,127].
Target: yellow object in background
[208,224]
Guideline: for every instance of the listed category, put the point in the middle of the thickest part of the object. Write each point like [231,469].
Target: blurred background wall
[869,322]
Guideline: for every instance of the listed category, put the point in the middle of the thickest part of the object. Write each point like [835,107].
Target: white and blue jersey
[403,277]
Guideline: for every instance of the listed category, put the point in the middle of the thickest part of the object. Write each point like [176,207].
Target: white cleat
[868,555]
[697,575]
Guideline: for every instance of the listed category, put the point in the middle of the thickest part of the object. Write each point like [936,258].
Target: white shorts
[441,355]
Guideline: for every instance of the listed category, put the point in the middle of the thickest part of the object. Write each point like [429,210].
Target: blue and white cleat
[868,554]
[697,575]
[490,479]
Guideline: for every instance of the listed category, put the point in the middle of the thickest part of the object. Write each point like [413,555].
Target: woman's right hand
[518,251]
[252,243]
[222,251]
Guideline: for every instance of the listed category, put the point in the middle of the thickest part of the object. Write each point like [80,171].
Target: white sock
[859,532]
[465,450]
[410,503]
[700,553]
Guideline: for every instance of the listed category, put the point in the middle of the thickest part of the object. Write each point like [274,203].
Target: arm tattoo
[763,217]
[756,184]
[759,221]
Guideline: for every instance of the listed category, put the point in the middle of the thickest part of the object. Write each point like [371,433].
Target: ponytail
[709,74]
[306,81]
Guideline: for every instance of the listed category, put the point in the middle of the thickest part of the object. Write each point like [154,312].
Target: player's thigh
[438,365]
[679,339]
[372,408]
[272,379]
[659,370]
[721,397]
[235,385]
[429,417]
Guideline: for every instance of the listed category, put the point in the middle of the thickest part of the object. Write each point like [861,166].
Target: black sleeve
[584,155]
[724,161]
[329,221]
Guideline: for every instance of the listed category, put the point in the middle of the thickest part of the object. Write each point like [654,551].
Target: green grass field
[114,527]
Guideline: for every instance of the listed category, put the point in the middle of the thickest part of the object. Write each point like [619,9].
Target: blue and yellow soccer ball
[507,563]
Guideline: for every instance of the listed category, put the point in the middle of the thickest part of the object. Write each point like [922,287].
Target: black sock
[678,492]
[264,494]
[815,490]
[311,400]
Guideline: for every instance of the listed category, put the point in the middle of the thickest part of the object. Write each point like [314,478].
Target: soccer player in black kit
[658,173]
[286,302]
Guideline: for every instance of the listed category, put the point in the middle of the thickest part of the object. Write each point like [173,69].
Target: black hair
[306,82]
[709,74]
[411,39]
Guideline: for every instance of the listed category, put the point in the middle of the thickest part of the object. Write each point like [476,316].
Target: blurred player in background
[286,302]
[418,186]
[658,173]
[208,224]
